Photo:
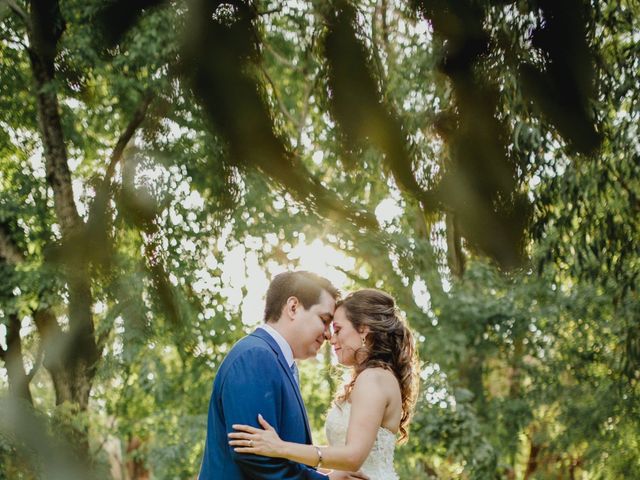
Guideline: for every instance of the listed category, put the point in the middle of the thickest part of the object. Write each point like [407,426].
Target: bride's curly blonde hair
[389,344]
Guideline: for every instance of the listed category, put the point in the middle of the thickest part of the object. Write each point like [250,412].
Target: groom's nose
[327,333]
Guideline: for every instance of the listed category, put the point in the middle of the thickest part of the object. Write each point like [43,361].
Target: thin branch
[305,110]
[106,437]
[127,376]
[307,94]
[281,104]
[124,139]
[37,363]
[375,50]
[281,58]
[17,9]
[98,211]
[98,222]
[17,42]
[354,277]
[102,339]
[269,12]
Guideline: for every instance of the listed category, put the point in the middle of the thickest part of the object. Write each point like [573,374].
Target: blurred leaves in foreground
[478,159]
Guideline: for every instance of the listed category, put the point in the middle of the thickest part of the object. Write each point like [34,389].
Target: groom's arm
[253,386]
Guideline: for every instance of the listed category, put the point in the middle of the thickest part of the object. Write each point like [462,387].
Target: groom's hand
[337,475]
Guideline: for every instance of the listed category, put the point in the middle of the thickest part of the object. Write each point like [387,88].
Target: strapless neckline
[379,463]
[347,406]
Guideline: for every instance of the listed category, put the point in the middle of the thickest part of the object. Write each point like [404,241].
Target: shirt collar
[282,343]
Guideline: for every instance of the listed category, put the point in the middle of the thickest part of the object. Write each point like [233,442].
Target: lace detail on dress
[379,463]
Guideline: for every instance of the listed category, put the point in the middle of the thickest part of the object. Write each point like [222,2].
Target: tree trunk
[72,385]
[532,461]
[455,255]
[71,365]
[575,464]
[71,356]
[14,362]
[136,468]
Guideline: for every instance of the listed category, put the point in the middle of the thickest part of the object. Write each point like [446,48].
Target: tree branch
[126,136]
[281,58]
[281,104]
[48,25]
[105,437]
[37,362]
[103,334]
[270,11]
[79,342]
[45,321]
[455,255]
[9,251]
[98,224]
[221,86]
[52,339]
[102,339]
[17,9]
[46,324]
[305,109]
[14,361]
[375,50]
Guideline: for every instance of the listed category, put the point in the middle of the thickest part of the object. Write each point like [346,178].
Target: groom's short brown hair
[305,286]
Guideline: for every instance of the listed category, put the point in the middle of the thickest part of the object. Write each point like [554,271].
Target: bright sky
[242,269]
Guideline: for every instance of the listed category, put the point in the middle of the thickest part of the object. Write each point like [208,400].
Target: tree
[260,124]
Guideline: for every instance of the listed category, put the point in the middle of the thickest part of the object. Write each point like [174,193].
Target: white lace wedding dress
[379,463]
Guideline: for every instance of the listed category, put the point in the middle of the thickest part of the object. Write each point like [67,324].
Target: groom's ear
[291,306]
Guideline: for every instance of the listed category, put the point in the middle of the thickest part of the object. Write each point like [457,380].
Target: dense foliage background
[478,159]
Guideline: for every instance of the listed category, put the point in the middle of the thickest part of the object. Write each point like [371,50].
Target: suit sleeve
[253,385]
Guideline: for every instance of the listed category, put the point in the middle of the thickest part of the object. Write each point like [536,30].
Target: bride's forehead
[340,317]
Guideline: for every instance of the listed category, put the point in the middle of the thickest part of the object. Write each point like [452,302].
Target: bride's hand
[247,439]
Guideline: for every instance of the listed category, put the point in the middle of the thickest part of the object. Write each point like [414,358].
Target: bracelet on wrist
[319,456]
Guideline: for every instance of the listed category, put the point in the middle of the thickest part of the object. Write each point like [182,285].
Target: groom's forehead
[326,304]
[325,312]
[323,309]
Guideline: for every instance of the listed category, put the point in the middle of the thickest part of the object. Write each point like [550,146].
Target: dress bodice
[379,463]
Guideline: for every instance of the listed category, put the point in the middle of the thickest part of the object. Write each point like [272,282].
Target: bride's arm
[368,403]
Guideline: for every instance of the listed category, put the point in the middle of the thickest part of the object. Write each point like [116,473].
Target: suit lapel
[263,335]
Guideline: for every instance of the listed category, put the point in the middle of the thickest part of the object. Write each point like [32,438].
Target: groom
[259,376]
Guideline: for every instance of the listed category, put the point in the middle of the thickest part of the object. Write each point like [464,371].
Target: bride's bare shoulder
[376,377]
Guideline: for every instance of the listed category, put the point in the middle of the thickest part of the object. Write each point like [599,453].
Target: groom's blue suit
[255,378]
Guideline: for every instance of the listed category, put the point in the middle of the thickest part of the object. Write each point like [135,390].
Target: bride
[373,411]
